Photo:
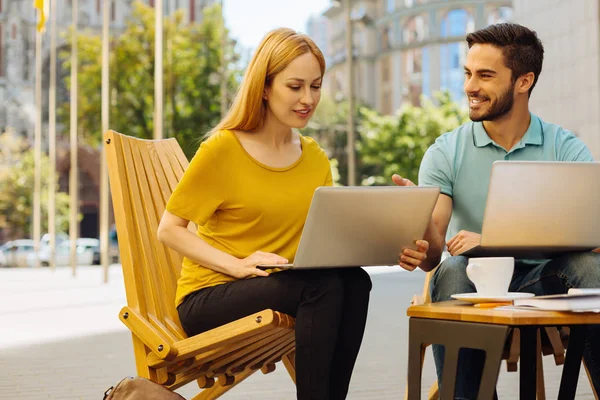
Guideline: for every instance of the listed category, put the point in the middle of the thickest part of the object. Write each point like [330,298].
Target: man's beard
[499,109]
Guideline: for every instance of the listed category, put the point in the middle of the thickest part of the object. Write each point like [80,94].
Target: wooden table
[457,324]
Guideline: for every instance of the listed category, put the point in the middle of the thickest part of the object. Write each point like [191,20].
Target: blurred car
[113,248]
[15,253]
[85,253]
[113,254]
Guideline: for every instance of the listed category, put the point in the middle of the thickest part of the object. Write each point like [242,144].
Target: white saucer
[477,298]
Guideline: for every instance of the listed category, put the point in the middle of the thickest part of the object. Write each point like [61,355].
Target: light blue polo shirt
[460,163]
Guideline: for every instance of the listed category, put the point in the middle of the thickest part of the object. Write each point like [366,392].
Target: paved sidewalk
[60,338]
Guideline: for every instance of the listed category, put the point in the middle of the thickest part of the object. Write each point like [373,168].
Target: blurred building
[318,28]
[405,48]
[17,80]
[568,91]
[17,48]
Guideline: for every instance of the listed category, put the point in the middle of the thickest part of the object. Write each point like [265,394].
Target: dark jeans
[576,270]
[330,307]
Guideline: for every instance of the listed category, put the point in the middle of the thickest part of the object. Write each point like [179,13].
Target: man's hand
[463,241]
[410,259]
[400,181]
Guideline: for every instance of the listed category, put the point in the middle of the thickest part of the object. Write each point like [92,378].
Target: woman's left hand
[410,259]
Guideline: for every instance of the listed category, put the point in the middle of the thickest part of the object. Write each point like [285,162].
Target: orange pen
[492,305]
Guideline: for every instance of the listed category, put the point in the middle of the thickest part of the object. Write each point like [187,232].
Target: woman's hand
[410,259]
[246,267]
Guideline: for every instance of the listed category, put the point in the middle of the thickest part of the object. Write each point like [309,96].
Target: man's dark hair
[522,49]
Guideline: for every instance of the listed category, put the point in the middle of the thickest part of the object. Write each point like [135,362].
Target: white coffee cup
[491,275]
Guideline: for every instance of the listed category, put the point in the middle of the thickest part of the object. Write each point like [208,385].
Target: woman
[248,189]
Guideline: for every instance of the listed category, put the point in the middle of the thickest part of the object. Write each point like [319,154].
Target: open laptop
[540,209]
[362,226]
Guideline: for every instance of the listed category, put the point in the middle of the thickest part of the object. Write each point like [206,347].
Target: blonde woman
[248,189]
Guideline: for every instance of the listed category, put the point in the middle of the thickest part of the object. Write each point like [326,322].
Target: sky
[248,21]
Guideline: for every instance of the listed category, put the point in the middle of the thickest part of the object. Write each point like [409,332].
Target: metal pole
[223,64]
[104,260]
[37,147]
[158,70]
[52,138]
[350,96]
[74,171]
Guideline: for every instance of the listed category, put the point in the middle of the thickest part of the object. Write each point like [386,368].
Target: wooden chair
[143,173]
[550,341]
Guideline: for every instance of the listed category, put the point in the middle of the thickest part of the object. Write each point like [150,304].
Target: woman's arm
[173,232]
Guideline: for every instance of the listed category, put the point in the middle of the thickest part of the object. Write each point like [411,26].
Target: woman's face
[295,92]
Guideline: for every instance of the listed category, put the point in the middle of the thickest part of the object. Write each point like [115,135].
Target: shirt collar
[533,135]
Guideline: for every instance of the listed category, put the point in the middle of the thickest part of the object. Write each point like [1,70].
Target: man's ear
[525,82]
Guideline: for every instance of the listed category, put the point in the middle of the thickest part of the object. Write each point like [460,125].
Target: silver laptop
[362,226]
[541,209]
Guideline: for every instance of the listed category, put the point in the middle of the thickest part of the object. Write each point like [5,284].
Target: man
[502,67]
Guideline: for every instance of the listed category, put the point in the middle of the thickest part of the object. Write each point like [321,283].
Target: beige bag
[139,389]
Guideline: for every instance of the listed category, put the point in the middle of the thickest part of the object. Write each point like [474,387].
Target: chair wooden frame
[550,340]
[143,173]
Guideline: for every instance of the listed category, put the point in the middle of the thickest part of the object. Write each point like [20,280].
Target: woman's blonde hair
[275,52]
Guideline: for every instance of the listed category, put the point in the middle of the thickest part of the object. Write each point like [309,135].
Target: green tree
[396,144]
[16,189]
[191,78]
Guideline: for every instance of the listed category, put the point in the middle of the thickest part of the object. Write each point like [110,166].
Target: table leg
[570,373]
[528,371]
[455,335]
[415,361]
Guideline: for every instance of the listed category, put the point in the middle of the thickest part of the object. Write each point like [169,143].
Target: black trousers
[330,307]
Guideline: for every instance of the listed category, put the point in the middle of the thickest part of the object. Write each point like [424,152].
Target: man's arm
[436,232]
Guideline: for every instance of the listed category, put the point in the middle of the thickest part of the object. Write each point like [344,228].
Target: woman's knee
[356,279]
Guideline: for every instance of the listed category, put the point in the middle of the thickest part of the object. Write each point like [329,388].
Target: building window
[385,69]
[192,11]
[390,5]
[386,103]
[0,6]
[385,38]
[113,11]
[457,22]
[13,33]
[414,30]
[151,3]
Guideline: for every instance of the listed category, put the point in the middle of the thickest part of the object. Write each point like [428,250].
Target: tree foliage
[16,189]
[191,78]
[396,144]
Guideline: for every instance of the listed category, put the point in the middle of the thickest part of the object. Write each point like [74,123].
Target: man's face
[488,83]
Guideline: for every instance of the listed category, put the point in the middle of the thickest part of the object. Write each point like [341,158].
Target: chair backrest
[143,174]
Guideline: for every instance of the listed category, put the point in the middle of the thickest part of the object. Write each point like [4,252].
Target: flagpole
[158,70]
[74,171]
[52,138]
[37,144]
[105,121]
